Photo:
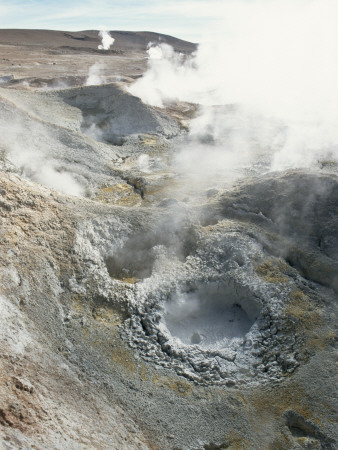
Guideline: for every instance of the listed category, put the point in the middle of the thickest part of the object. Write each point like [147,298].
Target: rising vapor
[276,66]
[107,40]
[95,76]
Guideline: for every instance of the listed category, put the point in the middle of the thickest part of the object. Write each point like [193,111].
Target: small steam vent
[134,260]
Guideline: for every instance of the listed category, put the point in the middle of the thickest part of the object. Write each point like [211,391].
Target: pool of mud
[209,316]
[213,332]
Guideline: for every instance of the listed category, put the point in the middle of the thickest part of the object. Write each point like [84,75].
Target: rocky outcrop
[300,210]
[112,113]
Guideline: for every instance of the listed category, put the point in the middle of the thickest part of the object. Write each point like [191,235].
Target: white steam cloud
[268,87]
[107,40]
[167,70]
[38,167]
[29,155]
[95,76]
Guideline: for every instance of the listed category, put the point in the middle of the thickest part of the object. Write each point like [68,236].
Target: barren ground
[141,308]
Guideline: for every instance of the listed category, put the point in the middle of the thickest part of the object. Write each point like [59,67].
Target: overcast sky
[187,19]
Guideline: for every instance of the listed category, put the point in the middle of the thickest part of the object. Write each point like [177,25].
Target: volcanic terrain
[144,306]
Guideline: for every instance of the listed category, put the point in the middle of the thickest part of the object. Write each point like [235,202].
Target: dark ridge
[89,40]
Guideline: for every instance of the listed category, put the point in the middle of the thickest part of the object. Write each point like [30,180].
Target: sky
[185,19]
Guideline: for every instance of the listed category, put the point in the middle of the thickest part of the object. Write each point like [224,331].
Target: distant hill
[88,41]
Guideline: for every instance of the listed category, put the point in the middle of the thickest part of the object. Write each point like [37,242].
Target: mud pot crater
[209,316]
[217,332]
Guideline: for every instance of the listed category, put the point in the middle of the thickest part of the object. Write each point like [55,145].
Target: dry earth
[146,311]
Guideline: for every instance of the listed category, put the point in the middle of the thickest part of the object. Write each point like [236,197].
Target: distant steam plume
[107,40]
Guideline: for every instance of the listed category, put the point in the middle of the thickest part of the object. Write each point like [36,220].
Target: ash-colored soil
[141,308]
[27,55]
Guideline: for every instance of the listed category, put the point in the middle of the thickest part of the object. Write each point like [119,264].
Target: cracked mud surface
[147,311]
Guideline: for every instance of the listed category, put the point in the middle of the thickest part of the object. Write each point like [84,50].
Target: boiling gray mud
[209,316]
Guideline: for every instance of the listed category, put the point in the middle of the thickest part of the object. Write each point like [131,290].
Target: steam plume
[27,149]
[267,86]
[95,76]
[107,40]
